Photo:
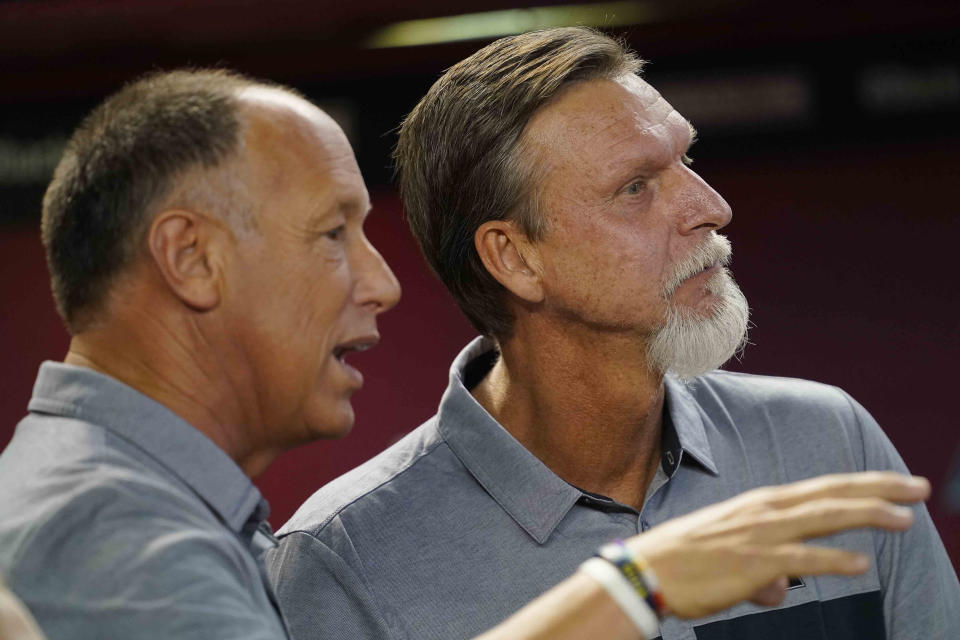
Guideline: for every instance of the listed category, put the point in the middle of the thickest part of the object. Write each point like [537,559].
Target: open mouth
[356,345]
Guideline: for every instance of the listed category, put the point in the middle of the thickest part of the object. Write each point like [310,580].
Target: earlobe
[509,257]
[183,247]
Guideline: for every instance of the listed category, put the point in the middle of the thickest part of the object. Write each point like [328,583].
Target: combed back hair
[123,159]
[460,157]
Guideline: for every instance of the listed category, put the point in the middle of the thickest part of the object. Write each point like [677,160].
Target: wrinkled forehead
[650,107]
[592,106]
[600,116]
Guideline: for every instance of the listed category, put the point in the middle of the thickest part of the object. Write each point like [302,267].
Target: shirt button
[669,455]
[644,525]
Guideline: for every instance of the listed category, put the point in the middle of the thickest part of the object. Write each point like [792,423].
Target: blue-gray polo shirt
[120,520]
[456,526]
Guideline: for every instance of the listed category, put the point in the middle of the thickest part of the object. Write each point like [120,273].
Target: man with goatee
[550,189]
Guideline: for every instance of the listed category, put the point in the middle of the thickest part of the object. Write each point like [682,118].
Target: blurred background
[832,128]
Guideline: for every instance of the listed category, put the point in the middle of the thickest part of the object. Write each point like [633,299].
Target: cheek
[319,297]
[606,261]
[614,279]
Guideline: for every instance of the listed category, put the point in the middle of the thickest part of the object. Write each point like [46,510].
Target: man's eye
[335,234]
[635,188]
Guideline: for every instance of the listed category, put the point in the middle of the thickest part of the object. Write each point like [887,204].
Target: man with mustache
[549,188]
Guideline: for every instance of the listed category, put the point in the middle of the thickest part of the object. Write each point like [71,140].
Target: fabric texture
[455,527]
[120,520]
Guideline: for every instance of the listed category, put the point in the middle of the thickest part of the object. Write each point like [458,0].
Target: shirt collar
[533,495]
[77,392]
[689,422]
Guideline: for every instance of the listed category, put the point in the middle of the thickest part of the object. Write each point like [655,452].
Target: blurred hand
[745,547]
[16,623]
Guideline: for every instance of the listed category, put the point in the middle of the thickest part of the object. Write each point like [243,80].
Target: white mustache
[716,250]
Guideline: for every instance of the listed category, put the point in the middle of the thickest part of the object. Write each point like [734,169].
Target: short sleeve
[118,571]
[921,595]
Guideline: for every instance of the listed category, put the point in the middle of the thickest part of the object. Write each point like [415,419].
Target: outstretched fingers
[743,547]
[827,516]
[889,485]
[796,559]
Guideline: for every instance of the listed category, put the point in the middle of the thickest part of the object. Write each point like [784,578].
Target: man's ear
[185,247]
[510,258]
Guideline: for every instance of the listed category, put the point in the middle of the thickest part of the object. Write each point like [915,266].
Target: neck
[170,365]
[587,406]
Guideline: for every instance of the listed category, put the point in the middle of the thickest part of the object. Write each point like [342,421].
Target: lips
[708,257]
[360,343]
[709,269]
[706,264]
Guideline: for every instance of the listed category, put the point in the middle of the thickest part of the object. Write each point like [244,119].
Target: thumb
[771,594]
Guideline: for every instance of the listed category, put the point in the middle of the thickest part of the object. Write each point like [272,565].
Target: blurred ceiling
[75,48]
[755,77]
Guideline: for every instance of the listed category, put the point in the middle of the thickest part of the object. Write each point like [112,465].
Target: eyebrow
[362,206]
[693,134]
[633,161]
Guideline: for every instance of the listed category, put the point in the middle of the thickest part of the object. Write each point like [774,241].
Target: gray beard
[690,344]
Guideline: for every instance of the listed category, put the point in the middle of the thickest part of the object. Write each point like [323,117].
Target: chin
[704,304]
[691,343]
[331,425]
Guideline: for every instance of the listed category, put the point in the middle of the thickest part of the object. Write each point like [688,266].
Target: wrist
[629,580]
[637,571]
[622,592]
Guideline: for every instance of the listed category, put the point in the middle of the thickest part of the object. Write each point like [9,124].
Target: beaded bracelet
[637,572]
[623,593]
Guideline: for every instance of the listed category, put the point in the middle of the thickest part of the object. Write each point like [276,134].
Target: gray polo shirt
[120,520]
[456,526]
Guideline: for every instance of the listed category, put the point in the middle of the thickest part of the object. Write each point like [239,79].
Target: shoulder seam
[334,514]
[856,418]
[358,574]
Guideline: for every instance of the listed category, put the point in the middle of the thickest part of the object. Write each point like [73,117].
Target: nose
[701,207]
[376,285]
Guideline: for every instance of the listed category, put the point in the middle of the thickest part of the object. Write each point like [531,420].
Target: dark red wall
[847,256]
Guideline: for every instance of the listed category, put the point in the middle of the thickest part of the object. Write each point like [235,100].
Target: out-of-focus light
[727,100]
[27,161]
[492,24]
[901,88]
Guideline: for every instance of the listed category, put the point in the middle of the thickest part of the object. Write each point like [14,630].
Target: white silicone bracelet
[626,596]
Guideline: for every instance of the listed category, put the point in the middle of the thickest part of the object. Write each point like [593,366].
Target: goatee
[689,343]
